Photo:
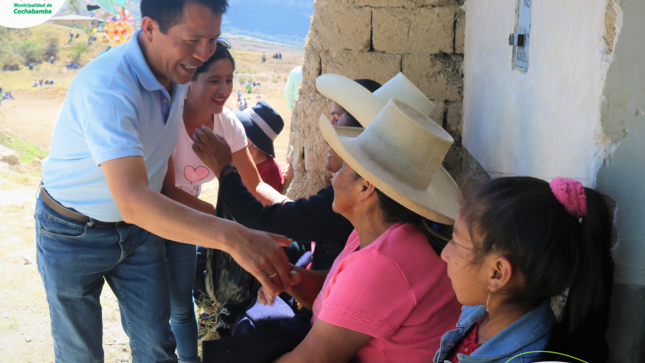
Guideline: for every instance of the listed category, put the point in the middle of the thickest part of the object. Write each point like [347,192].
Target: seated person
[387,297]
[262,125]
[517,242]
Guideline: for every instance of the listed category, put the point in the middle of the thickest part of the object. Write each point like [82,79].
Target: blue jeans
[74,260]
[181,270]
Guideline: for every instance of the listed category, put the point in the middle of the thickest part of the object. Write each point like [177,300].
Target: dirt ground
[24,313]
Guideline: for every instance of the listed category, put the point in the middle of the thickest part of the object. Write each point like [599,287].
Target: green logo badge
[27,13]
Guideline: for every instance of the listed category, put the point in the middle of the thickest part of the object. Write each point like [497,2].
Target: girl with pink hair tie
[516,243]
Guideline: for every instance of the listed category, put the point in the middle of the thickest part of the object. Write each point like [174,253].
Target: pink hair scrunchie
[571,194]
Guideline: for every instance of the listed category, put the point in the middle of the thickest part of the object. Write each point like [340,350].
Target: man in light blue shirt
[100,215]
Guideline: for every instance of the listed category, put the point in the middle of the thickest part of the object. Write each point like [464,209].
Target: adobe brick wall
[377,39]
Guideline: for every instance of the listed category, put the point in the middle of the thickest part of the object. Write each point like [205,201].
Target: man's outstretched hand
[212,149]
[261,254]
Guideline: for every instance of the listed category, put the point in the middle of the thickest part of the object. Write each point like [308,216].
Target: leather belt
[51,203]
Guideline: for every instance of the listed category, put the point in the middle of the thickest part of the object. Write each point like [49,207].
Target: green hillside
[35,45]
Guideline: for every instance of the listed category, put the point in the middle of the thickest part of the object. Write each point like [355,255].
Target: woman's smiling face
[213,87]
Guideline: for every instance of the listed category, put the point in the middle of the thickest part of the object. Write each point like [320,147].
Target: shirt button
[165,100]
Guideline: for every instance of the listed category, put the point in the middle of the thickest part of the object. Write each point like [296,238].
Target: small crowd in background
[276,55]
[40,83]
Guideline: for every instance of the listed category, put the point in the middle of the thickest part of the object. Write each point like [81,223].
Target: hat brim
[351,96]
[439,202]
[400,87]
[344,131]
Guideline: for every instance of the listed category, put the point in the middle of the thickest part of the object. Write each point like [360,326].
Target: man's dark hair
[170,12]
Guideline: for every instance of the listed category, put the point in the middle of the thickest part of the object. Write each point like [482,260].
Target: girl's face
[213,87]
[468,279]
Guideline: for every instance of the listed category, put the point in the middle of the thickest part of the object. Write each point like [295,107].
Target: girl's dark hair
[521,219]
[220,53]
[395,212]
[168,13]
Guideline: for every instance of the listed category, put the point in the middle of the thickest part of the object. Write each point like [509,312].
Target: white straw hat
[365,105]
[401,153]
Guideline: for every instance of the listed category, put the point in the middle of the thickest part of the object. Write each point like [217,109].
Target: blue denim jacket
[529,333]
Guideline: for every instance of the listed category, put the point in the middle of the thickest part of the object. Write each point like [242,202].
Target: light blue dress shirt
[114,108]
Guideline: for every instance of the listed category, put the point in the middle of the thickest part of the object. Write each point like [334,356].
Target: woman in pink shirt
[387,297]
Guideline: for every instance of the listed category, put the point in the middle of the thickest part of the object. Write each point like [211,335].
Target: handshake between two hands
[266,297]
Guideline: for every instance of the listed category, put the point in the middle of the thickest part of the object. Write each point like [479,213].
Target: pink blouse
[396,290]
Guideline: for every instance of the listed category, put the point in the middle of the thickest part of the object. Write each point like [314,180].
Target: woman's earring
[488,301]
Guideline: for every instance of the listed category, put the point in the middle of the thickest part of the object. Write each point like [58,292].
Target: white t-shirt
[190,172]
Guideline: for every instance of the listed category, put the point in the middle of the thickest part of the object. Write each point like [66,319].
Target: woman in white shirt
[209,89]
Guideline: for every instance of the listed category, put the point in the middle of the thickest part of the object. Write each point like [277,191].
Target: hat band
[261,123]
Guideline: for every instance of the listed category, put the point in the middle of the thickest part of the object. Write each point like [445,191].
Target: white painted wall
[545,122]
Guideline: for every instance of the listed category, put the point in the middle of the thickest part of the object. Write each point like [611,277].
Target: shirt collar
[138,62]
[522,332]
[470,315]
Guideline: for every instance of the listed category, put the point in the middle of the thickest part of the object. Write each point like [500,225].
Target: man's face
[186,46]
[336,113]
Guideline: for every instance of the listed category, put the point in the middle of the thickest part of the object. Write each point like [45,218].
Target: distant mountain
[275,19]
[281,21]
